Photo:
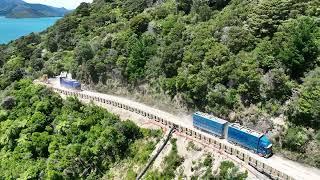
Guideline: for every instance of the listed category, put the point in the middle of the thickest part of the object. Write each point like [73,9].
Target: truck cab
[264,146]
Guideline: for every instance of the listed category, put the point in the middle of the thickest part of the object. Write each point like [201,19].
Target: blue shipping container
[70,83]
[210,123]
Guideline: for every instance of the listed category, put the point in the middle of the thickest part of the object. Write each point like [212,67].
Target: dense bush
[8,103]
[219,56]
[215,55]
[171,162]
[45,137]
[296,139]
[304,109]
[229,171]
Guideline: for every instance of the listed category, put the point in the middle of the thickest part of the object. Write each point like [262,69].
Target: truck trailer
[210,124]
[234,133]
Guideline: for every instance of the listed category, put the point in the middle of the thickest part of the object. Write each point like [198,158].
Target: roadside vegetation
[227,170]
[170,165]
[242,60]
[45,137]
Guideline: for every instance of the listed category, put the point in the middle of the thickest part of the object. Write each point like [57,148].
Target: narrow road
[292,168]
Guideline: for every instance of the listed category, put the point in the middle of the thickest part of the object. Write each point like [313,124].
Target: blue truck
[70,83]
[234,133]
[210,124]
[250,139]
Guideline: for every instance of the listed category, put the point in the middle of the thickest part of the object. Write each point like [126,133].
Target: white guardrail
[187,130]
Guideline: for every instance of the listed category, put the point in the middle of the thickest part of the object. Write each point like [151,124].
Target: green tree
[83,9]
[171,51]
[246,78]
[221,100]
[267,15]
[140,50]
[229,171]
[139,24]
[134,7]
[295,139]
[277,85]
[238,38]
[264,53]
[304,109]
[83,53]
[184,5]
[296,45]
[203,9]
[8,103]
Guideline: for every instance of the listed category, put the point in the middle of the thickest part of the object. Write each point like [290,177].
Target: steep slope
[51,138]
[252,62]
[21,9]
[7,5]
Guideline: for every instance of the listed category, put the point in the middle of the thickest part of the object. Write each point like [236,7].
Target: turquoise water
[11,29]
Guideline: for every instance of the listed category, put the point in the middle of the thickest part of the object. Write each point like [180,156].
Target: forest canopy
[45,137]
[236,59]
[218,56]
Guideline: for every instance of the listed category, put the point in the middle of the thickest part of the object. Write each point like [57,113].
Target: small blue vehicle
[234,133]
[70,83]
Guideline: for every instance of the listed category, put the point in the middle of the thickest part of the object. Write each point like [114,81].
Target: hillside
[21,9]
[252,62]
[43,136]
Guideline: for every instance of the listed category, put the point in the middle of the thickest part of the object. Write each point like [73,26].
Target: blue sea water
[11,29]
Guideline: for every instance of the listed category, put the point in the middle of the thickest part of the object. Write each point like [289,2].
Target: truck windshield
[269,150]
